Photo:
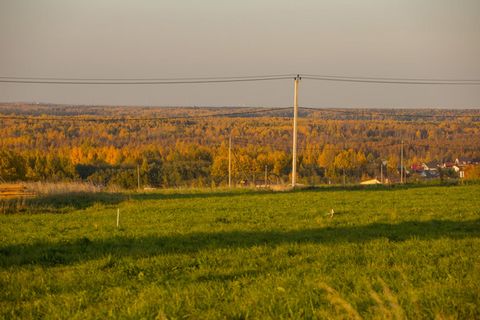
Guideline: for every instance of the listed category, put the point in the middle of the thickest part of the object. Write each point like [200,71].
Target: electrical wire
[381,113]
[63,118]
[171,81]
[394,81]
[152,79]
[389,79]
[199,80]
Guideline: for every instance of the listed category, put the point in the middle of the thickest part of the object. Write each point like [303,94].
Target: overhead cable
[193,117]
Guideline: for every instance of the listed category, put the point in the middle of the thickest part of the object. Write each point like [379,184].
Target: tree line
[52,144]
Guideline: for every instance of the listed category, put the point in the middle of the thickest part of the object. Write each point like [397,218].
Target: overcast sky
[192,38]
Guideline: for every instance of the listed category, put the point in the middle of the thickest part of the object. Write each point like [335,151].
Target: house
[463,161]
[406,171]
[430,169]
[448,165]
[417,168]
[431,166]
[430,174]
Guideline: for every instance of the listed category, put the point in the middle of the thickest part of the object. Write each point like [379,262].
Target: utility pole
[381,172]
[230,161]
[401,164]
[383,164]
[295,116]
[266,175]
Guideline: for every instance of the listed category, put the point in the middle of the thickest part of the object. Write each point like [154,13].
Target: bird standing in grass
[330,214]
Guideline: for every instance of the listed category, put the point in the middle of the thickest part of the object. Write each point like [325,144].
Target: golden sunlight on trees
[194,152]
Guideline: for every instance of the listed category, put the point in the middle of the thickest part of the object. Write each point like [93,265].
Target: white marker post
[118,218]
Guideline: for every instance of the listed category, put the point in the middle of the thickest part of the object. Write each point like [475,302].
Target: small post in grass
[118,218]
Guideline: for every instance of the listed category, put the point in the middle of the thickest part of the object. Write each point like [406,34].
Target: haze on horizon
[172,38]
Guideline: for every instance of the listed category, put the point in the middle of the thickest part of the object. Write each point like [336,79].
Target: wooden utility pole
[401,163]
[266,175]
[381,172]
[383,164]
[295,116]
[230,161]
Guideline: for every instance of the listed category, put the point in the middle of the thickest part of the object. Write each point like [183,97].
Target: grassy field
[410,252]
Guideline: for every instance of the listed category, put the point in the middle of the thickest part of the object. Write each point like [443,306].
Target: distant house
[448,165]
[431,166]
[417,167]
[430,169]
[406,171]
[463,161]
[430,174]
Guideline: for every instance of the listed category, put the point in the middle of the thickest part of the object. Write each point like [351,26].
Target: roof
[432,164]
[463,160]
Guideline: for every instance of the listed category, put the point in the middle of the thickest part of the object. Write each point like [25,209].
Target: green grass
[386,253]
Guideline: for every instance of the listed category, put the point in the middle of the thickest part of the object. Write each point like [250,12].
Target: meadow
[386,253]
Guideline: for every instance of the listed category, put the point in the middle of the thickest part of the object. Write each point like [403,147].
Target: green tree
[12,166]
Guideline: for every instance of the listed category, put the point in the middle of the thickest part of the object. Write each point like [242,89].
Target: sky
[209,38]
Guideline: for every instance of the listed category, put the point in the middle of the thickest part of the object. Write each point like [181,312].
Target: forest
[189,146]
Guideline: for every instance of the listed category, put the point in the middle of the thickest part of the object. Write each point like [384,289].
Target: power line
[248,78]
[394,81]
[233,114]
[131,81]
[389,79]
[193,117]
[151,79]
[382,113]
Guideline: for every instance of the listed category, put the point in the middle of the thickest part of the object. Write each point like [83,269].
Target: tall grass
[60,197]
[390,253]
[51,188]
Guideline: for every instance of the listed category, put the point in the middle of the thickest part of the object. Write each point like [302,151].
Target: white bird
[330,214]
